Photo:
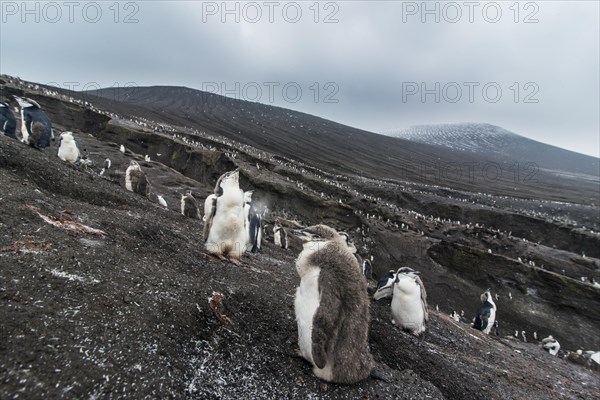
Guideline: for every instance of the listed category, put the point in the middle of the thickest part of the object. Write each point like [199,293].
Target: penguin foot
[235,261]
[298,354]
[213,257]
[376,373]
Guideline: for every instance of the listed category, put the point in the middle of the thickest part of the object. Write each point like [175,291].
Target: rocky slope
[489,140]
[126,313]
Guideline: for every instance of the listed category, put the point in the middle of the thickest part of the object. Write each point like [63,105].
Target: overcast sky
[532,68]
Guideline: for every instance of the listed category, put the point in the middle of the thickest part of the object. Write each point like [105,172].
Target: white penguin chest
[491,320]
[229,218]
[407,307]
[68,151]
[306,305]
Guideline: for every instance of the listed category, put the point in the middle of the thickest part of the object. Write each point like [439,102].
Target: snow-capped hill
[466,137]
[494,142]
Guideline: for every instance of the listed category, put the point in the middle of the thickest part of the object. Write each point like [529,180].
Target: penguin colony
[334,342]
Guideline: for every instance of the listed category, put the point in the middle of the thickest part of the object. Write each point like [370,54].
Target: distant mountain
[343,149]
[490,140]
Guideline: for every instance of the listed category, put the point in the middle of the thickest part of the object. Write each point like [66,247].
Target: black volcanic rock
[126,312]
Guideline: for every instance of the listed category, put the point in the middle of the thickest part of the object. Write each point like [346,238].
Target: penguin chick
[409,302]
[67,148]
[189,205]
[224,212]
[136,181]
[332,308]
[486,315]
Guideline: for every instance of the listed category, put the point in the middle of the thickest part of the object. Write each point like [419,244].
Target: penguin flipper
[324,329]
[484,317]
[210,209]
[423,299]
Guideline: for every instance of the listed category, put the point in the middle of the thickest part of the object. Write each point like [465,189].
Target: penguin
[162,201]
[280,236]
[135,179]
[224,233]
[67,148]
[486,315]
[255,230]
[454,315]
[122,149]
[367,269]
[551,345]
[189,205]
[8,123]
[247,205]
[348,242]
[496,328]
[107,164]
[409,301]
[36,127]
[385,285]
[332,308]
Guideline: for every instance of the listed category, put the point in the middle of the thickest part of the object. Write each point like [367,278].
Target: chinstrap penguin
[107,164]
[162,201]
[367,268]
[8,122]
[224,212]
[67,148]
[280,236]
[255,230]
[247,205]
[332,308]
[486,315]
[551,345]
[409,301]
[36,127]
[385,285]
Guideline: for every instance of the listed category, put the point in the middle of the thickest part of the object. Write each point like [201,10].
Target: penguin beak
[303,235]
[384,291]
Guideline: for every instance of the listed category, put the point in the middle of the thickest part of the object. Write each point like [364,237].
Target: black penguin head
[385,285]
[316,233]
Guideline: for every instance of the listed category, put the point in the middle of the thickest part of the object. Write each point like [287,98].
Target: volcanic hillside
[489,140]
[123,310]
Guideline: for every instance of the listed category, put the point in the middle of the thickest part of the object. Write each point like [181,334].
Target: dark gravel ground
[126,314]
